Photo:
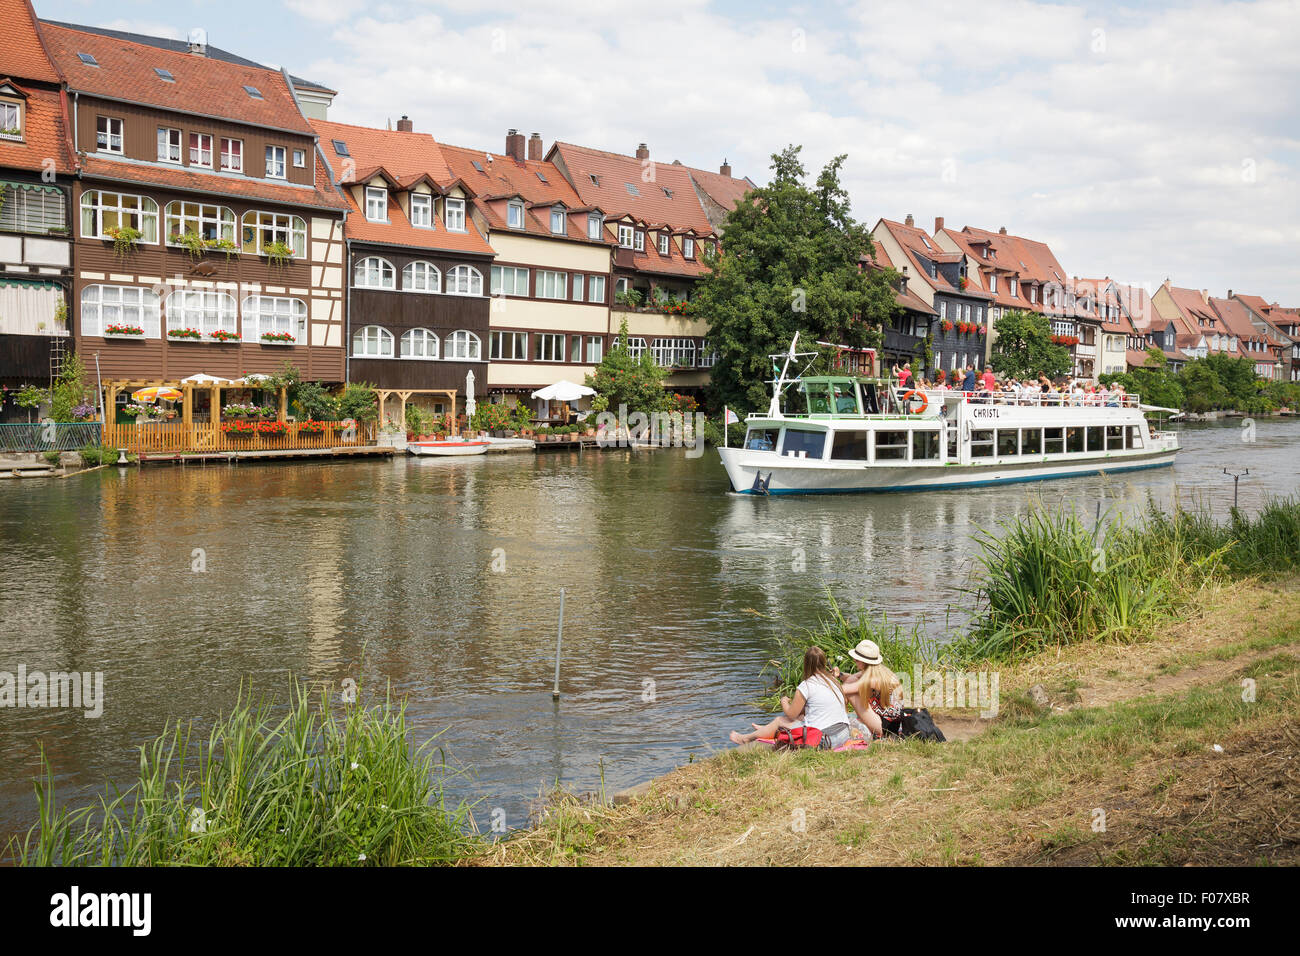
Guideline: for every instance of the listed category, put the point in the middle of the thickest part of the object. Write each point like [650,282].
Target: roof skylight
[164,75]
[341,147]
[254,92]
[632,190]
[87,59]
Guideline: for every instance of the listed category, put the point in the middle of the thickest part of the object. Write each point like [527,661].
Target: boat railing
[1028,399]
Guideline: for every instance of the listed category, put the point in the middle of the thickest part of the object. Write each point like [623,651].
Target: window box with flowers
[311,427]
[125,240]
[118,331]
[277,254]
[961,282]
[277,338]
[185,335]
[947,325]
[221,335]
[237,410]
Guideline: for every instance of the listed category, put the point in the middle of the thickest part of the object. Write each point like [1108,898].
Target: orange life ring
[925,402]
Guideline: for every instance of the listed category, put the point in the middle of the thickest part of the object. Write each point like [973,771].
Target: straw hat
[867,652]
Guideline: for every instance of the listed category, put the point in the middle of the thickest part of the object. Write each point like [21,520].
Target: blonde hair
[878,682]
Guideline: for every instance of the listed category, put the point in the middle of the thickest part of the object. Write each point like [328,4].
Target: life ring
[925,402]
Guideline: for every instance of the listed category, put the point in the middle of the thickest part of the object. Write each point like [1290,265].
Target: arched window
[465,280]
[262,229]
[463,345]
[122,305]
[201,309]
[210,223]
[375,273]
[104,213]
[372,342]
[421,276]
[265,314]
[419,344]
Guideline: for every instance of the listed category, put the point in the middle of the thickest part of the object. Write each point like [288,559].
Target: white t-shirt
[825,705]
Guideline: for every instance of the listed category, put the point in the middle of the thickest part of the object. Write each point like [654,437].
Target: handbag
[792,738]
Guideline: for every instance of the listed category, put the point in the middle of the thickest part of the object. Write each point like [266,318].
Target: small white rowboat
[447,448]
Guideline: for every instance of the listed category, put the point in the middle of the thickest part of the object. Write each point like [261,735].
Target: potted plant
[238,429]
[118,330]
[277,338]
[124,240]
[182,335]
[222,335]
[190,241]
[947,325]
[311,427]
[277,254]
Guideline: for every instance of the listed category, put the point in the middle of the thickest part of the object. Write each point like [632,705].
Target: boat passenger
[818,702]
[968,382]
[990,380]
[874,692]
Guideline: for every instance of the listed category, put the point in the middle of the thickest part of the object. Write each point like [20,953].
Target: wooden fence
[157,438]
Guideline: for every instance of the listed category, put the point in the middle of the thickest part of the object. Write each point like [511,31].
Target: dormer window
[638,241]
[1011,286]
[376,204]
[663,243]
[594,226]
[557,220]
[993,281]
[11,121]
[688,248]
[515,215]
[626,235]
[1033,294]
[422,210]
[454,214]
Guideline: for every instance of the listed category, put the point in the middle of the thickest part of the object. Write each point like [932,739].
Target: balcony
[903,344]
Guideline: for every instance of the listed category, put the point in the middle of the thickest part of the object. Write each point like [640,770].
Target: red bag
[792,738]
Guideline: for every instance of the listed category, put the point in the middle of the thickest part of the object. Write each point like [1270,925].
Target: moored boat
[449,448]
[846,433]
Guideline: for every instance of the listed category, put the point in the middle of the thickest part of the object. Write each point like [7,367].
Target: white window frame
[518,342]
[300,159]
[638,240]
[673,352]
[635,346]
[595,226]
[515,215]
[141,209]
[170,149]
[579,287]
[103,305]
[707,358]
[207,222]
[626,236]
[663,243]
[374,272]
[552,284]
[207,310]
[594,282]
[993,282]
[548,346]
[375,340]
[275,313]
[509,280]
[453,214]
[422,277]
[276,162]
[688,247]
[16,122]
[463,346]
[559,218]
[464,280]
[33,211]
[198,152]
[595,349]
[106,139]
[376,204]
[256,224]
[232,155]
[422,210]
[420,345]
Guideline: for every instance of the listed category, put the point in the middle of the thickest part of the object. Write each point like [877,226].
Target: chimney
[1229,293]
[1002,231]
[725,169]
[515,144]
[535,146]
[404,125]
[909,221]
[938,224]
[643,151]
[198,41]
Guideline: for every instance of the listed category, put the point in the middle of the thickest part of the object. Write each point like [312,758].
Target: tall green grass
[319,786]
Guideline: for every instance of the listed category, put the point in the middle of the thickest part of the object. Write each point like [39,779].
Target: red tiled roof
[678,207]
[1028,261]
[398,231]
[1106,292]
[726,191]
[1236,319]
[922,249]
[44,134]
[22,54]
[204,86]
[95,166]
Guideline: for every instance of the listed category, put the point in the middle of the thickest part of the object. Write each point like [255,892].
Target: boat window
[761,439]
[846,398]
[925,445]
[870,402]
[849,446]
[1114,437]
[891,446]
[981,443]
[1008,441]
[1096,438]
[818,396]
[1053,441]
[1074,439]
[803,444]
[1135,436]
[952,442]
[794,402]
[1031,441]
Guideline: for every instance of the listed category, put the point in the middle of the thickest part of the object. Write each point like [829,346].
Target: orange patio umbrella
[156,392]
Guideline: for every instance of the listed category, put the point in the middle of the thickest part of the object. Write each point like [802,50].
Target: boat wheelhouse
[844,434]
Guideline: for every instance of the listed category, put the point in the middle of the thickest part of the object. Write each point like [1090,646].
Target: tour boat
[452,446]
[846,433]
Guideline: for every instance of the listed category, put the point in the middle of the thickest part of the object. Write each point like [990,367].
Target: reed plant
[322,785]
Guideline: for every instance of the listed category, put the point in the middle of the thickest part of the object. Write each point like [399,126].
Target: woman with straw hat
[874,691]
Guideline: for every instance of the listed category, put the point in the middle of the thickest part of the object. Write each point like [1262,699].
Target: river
[441,578]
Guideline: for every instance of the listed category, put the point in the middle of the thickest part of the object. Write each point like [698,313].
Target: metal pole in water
[559,640]
[1236,479]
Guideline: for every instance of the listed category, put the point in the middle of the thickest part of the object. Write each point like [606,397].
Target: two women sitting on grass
[816,715]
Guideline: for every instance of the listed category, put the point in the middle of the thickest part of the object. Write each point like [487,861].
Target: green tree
[69,389]
[1024,347]
[1202,390]
[790,261]
[359,402]
[621,379]
[1152,382]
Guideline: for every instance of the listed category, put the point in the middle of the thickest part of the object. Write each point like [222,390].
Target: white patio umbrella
[202,378]
[563,391]
[469,394]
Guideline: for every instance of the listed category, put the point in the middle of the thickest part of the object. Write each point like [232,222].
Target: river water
[441,579]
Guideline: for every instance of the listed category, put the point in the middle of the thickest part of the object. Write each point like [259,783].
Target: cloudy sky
[1139,140]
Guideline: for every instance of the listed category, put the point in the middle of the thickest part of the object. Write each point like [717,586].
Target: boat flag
[732,417]
[728,418]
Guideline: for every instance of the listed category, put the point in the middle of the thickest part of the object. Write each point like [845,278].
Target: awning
[31,187]
[28,283]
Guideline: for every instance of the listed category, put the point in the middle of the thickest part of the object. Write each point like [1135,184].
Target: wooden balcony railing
[156,438]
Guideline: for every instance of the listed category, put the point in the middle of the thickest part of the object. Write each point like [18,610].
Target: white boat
[450,447]
[844,434]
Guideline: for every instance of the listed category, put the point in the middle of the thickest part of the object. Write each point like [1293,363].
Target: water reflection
[383,572]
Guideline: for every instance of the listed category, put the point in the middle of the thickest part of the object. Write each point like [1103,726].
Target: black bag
[915,722]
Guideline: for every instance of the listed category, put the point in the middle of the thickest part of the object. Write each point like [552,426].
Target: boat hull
[744,466]
[447,449]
